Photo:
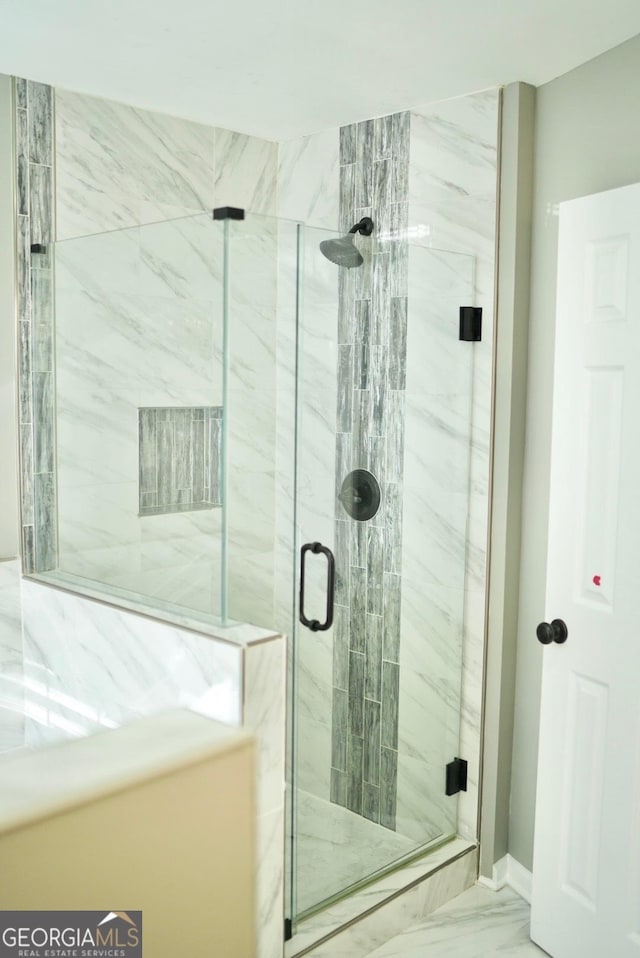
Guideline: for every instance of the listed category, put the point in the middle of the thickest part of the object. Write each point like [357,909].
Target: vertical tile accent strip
[33,103]
[371,378]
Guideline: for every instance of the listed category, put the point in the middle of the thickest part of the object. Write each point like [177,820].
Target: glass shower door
[382,487]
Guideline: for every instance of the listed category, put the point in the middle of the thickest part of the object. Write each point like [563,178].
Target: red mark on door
[596,580]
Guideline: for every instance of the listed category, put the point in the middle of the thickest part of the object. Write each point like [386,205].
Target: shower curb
[354,927]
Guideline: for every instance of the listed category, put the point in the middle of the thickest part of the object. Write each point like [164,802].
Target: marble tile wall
[89,666]
[252,253]
[179,459]
[119,166]
[452,206]
[138,318]
[12,721]
[138,325]
[35,228]
[265,713]
[371,378]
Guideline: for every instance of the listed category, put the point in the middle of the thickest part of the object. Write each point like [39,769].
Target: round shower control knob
[360,495]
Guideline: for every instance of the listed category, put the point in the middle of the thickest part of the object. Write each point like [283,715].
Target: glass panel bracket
[456,777]
[470,324]
[228,213]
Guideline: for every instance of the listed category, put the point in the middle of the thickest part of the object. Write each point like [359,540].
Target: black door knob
[555,631]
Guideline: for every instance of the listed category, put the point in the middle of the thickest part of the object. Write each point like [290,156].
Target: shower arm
[364,227]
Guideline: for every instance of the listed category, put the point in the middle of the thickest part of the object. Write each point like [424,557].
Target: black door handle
[555,631]
[316,548]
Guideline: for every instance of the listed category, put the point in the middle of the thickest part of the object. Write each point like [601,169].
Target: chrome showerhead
[343,251]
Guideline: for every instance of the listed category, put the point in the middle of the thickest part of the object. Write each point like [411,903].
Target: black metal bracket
[228,213]
[470,324]
[38,248]
[288,930]
[456,777]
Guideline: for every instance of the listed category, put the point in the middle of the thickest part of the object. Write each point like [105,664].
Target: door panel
[384,391]
[585,859]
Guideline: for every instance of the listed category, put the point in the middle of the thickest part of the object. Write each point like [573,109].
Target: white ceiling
[284,68]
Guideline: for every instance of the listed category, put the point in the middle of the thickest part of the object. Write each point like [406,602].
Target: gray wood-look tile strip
[26,462]
[358,609]
[148,503]
[41,204]
[40,123]
[194,457]
[45,526]
[43,424]
[375,566]
[401,154]
[164,458]
[381,299]
[147,458]
[347,198]
[24,278]
[371,802]
[345,388]
[25,384]
[377,458]
[392,601]
[340,647]
[215,460]
[338,787]
[383,142]
[371,760]
[374,157]
[356,693]
[392,492]
[28,550]
[394,431]
[398,343]
[381,202]
[354,783]
[378,391]
[388,787]
[390,695]
[342,562]
[21,93]
[364,163]
[340,729]
[363,279]
[22,161]
[347,145]
[42,322]
[358,544]
[373,658]
[360,434]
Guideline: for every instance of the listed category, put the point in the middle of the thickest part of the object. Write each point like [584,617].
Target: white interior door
[586,891]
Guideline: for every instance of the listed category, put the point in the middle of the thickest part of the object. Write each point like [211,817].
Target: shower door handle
[317,548]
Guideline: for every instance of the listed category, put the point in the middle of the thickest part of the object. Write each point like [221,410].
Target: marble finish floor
[480,923]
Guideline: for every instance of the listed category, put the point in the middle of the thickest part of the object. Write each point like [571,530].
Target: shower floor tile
[480,922]
[336,848]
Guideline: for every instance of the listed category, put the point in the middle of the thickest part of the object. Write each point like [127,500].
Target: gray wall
[510,386]
[8,464]
[587,140]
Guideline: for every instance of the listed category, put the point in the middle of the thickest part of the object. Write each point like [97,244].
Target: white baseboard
[499,876]
[510,872]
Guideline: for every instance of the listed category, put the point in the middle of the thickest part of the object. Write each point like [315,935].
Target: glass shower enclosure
[245,431]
